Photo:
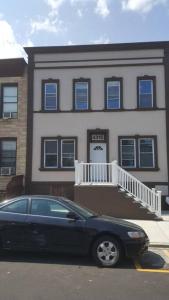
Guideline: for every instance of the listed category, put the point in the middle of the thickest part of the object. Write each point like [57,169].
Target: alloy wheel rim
[107,253]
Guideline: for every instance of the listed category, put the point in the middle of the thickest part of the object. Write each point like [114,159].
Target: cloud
[54,6]
[102,8]
[101,40]
[143,6]
[9,48]
[50,23]
[46,24]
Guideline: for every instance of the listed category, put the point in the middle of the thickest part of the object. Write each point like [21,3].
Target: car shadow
[57,259]
[152,260]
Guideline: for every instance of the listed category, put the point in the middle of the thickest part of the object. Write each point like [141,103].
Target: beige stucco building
[97,103]
[13,119]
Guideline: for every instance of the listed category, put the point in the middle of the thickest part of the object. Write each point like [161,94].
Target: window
[81,94]
[9,100]
[113,95]
[138,152]
[50,95]
[128,153]
[19,207]
[58,153]
[146,153]
[49,208]
[68,153]
[146,92]
[51,153]
[7,157]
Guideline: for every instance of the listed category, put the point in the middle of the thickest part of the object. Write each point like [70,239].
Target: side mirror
[72,215]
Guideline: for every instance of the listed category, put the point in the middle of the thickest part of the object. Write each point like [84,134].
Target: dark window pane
[51,160]
[146,101]
[48,208]
[146,86]
[128,163]
[16,207]
[8,154]
[68,153]
[51,102]
[113,94]
[145,93]
[81,95]
[50,88]
[146,160]
[128,153]
[51,147]
[68,161]
[146,153]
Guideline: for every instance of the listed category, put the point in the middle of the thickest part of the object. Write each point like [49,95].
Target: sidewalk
[157,231]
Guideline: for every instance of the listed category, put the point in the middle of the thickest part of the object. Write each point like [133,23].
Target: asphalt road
[47,277]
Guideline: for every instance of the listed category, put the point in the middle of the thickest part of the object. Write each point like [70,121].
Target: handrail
[113,174]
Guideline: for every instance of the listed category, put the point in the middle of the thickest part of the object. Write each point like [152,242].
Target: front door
[98,168]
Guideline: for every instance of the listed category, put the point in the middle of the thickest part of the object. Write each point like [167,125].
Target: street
[45,277]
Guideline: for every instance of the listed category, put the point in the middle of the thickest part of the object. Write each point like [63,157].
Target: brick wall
[16,128]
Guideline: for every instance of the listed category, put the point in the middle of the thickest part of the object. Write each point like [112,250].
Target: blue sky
[66,22]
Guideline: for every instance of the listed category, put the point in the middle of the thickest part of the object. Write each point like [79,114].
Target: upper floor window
[138,152]
[58,153]
[7,157]
[50,95]
[113,93]
[146,92]
[81,94]
[9,100]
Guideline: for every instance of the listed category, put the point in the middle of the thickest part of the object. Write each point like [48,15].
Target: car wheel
[107,251]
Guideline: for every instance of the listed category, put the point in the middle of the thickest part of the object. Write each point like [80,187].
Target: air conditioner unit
[5,171]
[7,115]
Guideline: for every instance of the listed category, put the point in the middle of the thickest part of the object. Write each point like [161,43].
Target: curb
[154,245]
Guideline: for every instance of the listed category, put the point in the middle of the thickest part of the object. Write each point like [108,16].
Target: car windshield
[85,212]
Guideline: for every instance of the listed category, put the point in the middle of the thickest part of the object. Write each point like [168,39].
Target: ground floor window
[58,153]
[7,157]
[138,152]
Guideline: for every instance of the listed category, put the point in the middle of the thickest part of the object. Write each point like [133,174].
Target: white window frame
[153,152]
[56,95]
[87,83]
[74,142]
[121,152]
[12,113]
[107,101]
[152,93]
[44,162]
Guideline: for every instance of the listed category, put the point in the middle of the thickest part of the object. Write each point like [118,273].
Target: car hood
[119,221]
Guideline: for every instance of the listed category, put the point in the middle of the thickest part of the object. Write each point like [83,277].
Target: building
[98,104]
[13,123]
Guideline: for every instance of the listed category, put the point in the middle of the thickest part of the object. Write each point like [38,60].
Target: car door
[12,224]
[50,229]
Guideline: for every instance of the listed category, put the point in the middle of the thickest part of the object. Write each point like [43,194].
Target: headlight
[136,234]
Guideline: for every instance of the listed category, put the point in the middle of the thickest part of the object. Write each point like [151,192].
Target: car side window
[19,207]
[48,208]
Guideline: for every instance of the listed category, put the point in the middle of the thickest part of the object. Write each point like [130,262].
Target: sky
[73,22]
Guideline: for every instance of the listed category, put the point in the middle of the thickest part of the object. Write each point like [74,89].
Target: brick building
[13,119]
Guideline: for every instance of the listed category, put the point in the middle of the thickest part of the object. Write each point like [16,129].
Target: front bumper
[134,248]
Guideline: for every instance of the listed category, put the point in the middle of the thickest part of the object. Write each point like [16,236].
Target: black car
[47,223]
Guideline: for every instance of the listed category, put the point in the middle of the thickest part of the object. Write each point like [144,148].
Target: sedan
[47,223]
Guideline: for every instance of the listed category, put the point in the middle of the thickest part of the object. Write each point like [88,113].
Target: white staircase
[113,175]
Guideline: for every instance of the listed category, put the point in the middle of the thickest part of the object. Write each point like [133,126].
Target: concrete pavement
[157,231]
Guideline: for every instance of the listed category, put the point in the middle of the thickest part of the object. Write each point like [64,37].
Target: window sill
[57,169]
[142,169]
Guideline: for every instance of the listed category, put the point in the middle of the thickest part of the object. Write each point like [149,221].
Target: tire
[107,251]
